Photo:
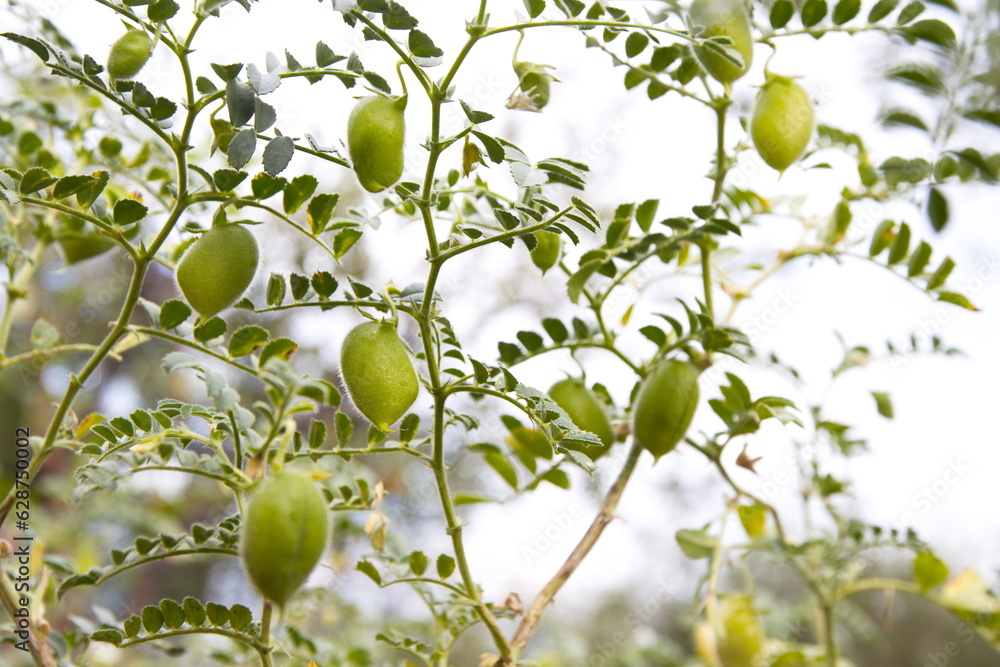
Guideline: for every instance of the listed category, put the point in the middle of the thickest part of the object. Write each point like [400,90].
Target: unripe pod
[284,535]
[77,246]
[378,373]
[664,406]
[782,122]
[217,268]
[738,641]
[724,18]
[586,412]
[547,251]
[375,133]
[129,54]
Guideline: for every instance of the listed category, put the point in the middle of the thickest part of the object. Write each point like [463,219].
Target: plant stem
[430,344]
[532,617]
[265,635]
[16,290]
[829,641]
[40,650]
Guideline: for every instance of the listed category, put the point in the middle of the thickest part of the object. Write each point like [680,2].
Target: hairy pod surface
[782,122]
[217,269]
[664,406]
[724,18]
[378,373]
[284,535]
[586,411]
[129,54]
[376,131]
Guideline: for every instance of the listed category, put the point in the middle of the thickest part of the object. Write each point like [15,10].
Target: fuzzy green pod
[217,269]
[129,55]
[586,412]
[284,535]
[782,122]
[739,640]
[77,246]
[376,131]
[724,18]
[378,373]
[664,406]
[547,250]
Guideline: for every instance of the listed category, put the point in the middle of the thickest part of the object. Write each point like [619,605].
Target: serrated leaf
[276,289]
[240,617]
[109,635]
[367,569]
[277,154]
[228,179]
[279,347]
[173,614]
[418,563]
[320,210]
[152,619]
[246,340]
[345,240]
[217,614]
[422,46]
[445,566]
[210,330]
[241,148]
[127,211]
[194,612]
[34,179]
[239,102]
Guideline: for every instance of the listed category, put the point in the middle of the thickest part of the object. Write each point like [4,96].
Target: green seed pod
[283,536]
[376,130]
[586,412]
[782,122]
[724,18]
[378,373]
[78,246]
[217,269]
[129,54]
[738,641]
[664,406]
[547,251]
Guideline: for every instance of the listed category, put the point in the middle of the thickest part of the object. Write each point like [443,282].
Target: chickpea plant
[295,467]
